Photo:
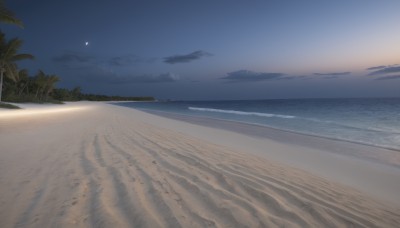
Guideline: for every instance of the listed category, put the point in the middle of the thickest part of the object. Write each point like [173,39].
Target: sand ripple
[112,170]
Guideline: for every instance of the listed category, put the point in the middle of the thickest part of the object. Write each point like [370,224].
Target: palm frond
[23,74]
[7,16]
[22,57]
[12,47]
[41,74]
[11,71]
[3,41]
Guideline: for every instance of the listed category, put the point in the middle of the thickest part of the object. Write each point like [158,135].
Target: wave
[241,112]
[357,127]
[342,125]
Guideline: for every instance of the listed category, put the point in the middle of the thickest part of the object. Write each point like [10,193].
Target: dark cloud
[161,78]
[304,77]
[106,77]
[82,67]
[331,77]
[80,59]
[333,74]
[249,76]
[73,57]
[386,70]
[186,58]
[288,78]
[128,60]
[376,68]
[391,77]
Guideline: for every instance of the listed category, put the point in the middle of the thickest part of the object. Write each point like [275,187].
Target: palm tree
[40,82]
[8,57]
[22,81]
[51,81]
[7,16]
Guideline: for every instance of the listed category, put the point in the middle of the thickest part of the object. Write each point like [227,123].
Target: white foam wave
[240,112]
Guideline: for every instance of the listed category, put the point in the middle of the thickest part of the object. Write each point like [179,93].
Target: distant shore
[88,164]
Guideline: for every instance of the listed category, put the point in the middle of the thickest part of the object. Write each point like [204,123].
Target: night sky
[215,49]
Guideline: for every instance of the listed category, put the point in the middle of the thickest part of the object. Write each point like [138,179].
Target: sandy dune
[98,165]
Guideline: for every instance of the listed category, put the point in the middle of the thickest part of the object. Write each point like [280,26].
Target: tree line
[16,85]
[23,88]
[41,88]
[76,94]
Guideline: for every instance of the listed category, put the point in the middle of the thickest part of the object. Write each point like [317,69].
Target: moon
[86,43]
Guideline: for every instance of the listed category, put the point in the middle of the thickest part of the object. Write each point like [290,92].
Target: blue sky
[215,49]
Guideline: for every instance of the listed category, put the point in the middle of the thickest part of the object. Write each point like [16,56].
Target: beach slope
[98,165]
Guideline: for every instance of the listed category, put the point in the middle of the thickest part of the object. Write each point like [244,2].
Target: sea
[370,121]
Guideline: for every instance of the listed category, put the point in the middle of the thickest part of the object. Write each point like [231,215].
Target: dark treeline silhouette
[23,88]
[41,88]
[76,95]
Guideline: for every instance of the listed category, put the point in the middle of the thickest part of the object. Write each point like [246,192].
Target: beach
[92,164]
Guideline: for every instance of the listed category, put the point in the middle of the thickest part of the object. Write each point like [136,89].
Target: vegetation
[17,86]
[6,16]
[8,57]
[76,95]
[95,97]
[24,88]
[41,88]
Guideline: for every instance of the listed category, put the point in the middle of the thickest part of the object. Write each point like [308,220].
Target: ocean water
[371,121]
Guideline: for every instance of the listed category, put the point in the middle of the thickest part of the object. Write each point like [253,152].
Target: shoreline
[296,138]
[113,166]
[191,119]
[374,173]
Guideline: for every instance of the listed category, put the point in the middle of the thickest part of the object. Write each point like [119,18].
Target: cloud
[82,67]
[249,76]
[391,77]
[289,78]
[333,74]
[161,78]
[331,77]
[186,58]
[106,77]
[73,57]
[386,70]
[128,60]
[376,68]
[304,77]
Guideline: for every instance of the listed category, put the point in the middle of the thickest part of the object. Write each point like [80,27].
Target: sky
[215,49]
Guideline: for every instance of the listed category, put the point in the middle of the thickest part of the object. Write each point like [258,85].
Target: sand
[374,170]
[90,164]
